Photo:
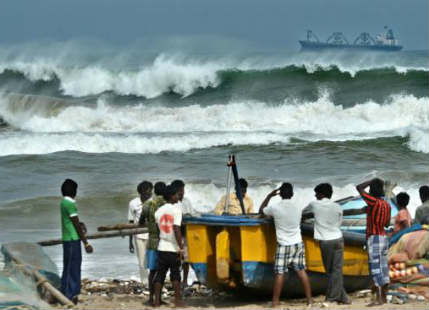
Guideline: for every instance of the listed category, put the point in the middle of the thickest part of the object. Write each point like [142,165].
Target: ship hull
[320,46]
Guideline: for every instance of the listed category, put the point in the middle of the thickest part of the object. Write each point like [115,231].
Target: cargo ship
[337,41]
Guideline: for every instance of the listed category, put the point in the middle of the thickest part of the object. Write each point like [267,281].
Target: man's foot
[275,304]
[375,304]
[75,300]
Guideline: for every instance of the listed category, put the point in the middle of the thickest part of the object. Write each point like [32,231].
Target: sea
[110,118]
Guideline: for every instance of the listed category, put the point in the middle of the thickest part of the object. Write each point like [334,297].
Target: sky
[259,24]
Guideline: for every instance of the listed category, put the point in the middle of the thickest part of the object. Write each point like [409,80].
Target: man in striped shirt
[377,218]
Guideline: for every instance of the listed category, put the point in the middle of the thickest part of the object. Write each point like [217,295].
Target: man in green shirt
[73,232]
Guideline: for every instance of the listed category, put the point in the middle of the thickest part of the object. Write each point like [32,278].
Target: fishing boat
[238,252]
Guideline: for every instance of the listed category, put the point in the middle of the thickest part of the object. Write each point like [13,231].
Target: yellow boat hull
[250,250]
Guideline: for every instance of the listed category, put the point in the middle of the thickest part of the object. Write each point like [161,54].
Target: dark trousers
[333,261]
[72,261]
[168,261]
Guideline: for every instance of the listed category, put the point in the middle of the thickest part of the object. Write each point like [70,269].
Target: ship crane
[337,38]
[364,39]
[311,36]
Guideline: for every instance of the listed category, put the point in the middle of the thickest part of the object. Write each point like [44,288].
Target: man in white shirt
[170,247]
[134,211]
[290,251]
[328,217]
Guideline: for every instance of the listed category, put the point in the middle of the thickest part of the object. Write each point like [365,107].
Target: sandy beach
[130,295]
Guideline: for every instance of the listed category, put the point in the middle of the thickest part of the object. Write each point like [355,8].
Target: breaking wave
[58,125]
[183,77]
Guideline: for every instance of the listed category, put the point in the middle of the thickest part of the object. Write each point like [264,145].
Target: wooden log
[118,227]
[120,233]
[41,280]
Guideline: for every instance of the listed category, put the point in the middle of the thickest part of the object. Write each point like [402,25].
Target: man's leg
[306,284]
[65,286]
[175,263]
[327,258]
[185,273]
[151,279]
[141,252]
[277,288]
[333,255]
[160,276]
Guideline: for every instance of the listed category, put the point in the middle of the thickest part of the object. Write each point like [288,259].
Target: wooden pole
[118,227]
[41,280]
[120,233]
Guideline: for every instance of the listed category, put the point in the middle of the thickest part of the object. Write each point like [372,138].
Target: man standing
[377,218]
[186,207]
[423,210]
[134,211]
[233,202]
[148,218]
[73,232]
[328,217]
[290,251]
[170,247]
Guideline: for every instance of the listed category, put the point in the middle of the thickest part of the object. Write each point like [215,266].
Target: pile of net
[409,262]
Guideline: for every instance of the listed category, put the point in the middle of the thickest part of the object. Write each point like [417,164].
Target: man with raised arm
[377,218]
[290,251]
[73,233]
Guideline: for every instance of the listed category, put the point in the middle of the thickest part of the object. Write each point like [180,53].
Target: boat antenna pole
[237,184]
[228,183]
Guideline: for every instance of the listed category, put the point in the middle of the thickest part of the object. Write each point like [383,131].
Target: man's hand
[182,254]
[88,248]
[131,247]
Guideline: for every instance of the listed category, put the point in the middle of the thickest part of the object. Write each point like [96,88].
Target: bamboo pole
[118,227]
[41,280]
[120,233]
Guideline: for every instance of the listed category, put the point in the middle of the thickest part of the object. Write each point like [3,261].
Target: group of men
[164,249]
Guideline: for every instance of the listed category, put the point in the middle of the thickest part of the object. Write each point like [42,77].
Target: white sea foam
[113,128]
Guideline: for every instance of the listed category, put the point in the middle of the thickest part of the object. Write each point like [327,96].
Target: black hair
[402,199]
[424,193]
[243,183]
[144,187]
[286,190]
[169,191]
[69,188]
[159,188]
[376,188]
[325,189]
[179,184]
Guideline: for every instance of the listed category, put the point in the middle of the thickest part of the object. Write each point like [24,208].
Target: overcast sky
[263,24]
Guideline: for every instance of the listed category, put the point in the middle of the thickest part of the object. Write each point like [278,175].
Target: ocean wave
[184,77]
[29,143]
